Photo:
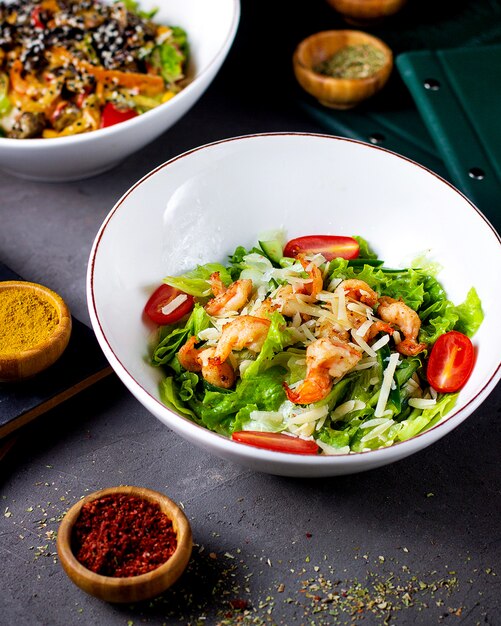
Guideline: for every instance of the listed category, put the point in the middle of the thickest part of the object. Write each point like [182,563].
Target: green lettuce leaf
[133,7]
[170,60]
[196,282]
[263,393]
[180,38]
[420,420]
[470,314]
[170,397]
[277,339]
[365,251]
[173,338]
[335,438]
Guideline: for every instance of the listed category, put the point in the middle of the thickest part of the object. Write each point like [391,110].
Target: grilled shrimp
[326,359]
[245,331]
[359,290]
[188,355]
[215,372]
[357,319]
[398,313]
[200,360]
[285,300]
[266,308]
[226,299]
[326,328]
[316,283]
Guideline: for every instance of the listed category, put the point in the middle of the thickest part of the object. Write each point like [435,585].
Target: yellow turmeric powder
[26,320]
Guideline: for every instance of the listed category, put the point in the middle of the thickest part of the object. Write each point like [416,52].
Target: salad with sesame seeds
[73,66]
[312,347]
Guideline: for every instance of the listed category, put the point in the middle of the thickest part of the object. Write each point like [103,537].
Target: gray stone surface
[417,542]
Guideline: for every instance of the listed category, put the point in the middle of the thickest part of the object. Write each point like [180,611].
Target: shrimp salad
[309,348]
[73,66]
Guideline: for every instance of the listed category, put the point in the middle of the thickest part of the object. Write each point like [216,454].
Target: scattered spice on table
[354,61]
[26,320]
[121,535]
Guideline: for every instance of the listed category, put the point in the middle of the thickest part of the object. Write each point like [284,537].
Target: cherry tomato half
[35,18]
[451,362]
[160,298]
[111,115]
[331,246]
[276,441]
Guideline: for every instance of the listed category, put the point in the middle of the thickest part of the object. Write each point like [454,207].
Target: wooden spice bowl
[338,93]
[133,588]
[18,365]
[364,12]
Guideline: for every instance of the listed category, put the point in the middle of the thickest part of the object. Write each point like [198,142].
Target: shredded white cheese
[311,415]
[173,304]
[374,422]
[363,344]
[422,403]
[378,431]
[358,307]
[209,334]
[341,304]
[347,407]
[381,342]
[386,386]
[330,450]
[364,328]
[365,364]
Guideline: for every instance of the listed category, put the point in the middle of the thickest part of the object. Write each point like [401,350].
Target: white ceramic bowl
[199,206]
[211,28]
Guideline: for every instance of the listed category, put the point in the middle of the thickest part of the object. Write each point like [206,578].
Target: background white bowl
[211,28]
[199,206]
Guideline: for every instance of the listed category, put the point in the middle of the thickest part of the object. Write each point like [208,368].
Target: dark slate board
[81,365]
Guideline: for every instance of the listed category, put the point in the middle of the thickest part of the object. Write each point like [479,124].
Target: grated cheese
[244,365]
[347,407]
[296,319]
[374,422]
[310,415]
[386,386]
[381,342]
[364,328]
[363,344]
[330,450]
[317,259]
[334,284]
[320,423]
[173,304]
[209,334]
[306,430]
[358,307]
[378,431]
[422,403]
[326,296]
[341,304]
[308,334]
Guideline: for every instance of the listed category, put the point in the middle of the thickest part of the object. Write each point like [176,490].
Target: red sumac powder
[122,535]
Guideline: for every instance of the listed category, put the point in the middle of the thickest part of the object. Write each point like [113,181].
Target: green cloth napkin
[457,91]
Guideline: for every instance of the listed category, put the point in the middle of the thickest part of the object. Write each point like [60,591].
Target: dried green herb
[357,61]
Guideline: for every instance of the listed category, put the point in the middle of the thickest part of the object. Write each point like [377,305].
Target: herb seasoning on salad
[73,66]
[314,347]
